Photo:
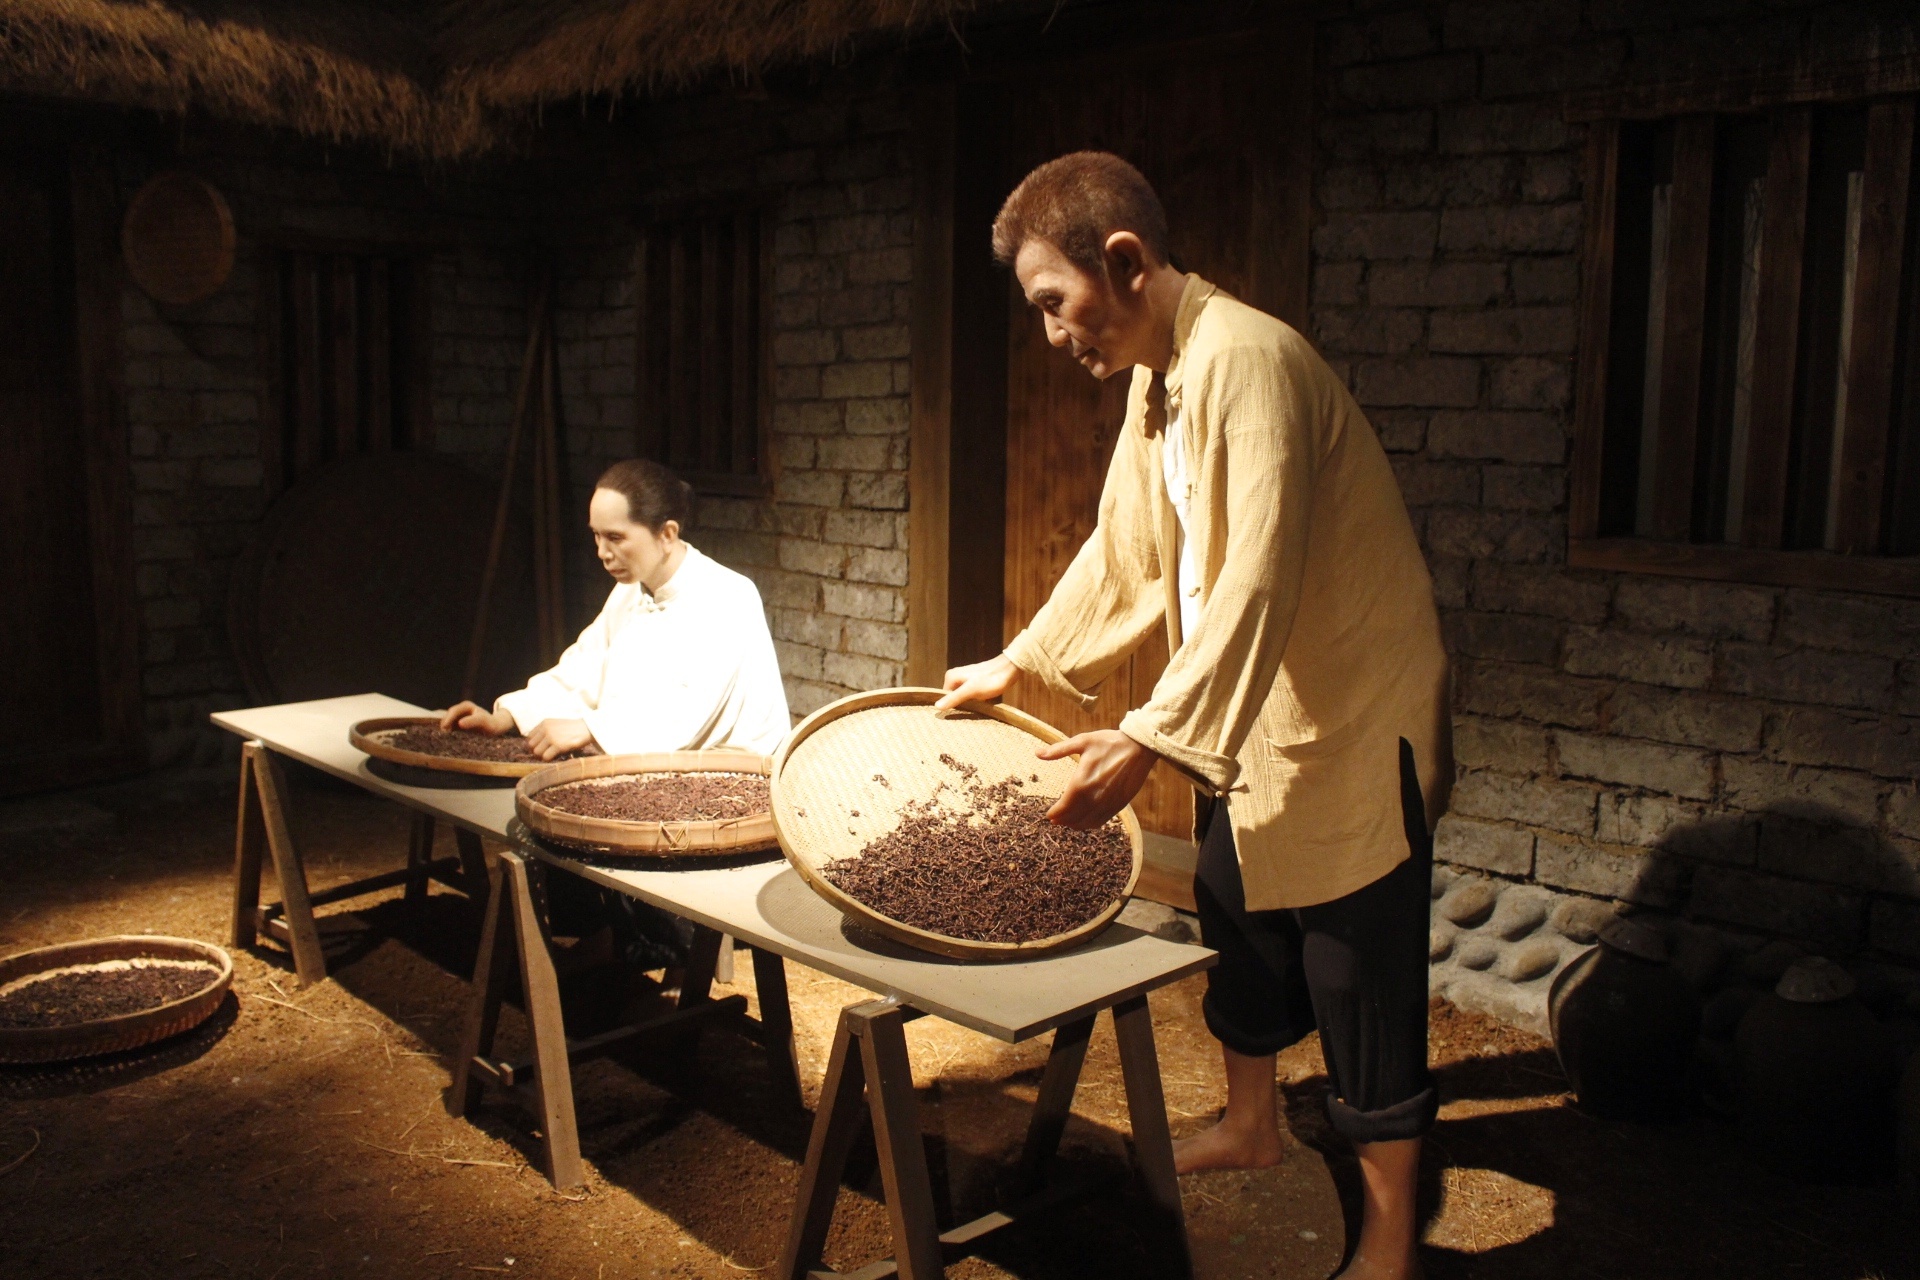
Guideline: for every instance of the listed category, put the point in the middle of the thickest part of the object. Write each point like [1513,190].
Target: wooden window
[1749,385]
[349,356]
[701,350]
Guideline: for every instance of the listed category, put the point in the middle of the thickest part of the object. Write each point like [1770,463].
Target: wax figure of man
[678,660]
[1250,509]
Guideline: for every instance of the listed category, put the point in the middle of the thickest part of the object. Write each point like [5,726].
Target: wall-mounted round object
[178,238]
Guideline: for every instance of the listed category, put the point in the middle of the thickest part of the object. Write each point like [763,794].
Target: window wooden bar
[742,418]
[649,392]
[713,356]
[1596,291]
[1686,311]
[345,301]
[1861,483]
[379,356]
[304,398]
[1777,329]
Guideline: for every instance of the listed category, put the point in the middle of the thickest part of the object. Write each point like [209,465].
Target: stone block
[1374,236]
[1484,845]
[1504,745]
[1808,675]
[1820,914]
[1531,382]
[856,304]
[1559,806]
[881,266]
[1903,811]
[1506,127]
[885,491]
[1428,182]
[1509,691]
[1537,280]
[1368,330]
[864,601]
[1895,928]
[1415,82]
[1498,435]
[877,417]
[1524,488]
[1476,953]
[1517,228]
[823,560]
[1694,719]
[813,488]
[1553,69]
[805,346]
[877,342]
[859,672]
[1337,284]
[1505,331]
[1546,591]
[1888,746]
[1628,762]
[1425,483]
[1696,608]
[852,381]
[1521,911]
[1658,660]
[1440,939]
[1581,919]
[1506,23]
[1509,637]
[885,567]
[1675,826]
[1858,624]
[793,451]
[1608,871]
[1831,854]
[798,661]
[804,697]
[818,630]
[1823,795]
[1377,133]
[1518,537]
[1418,382]
[860,528]
[1534,958]
[1428,284]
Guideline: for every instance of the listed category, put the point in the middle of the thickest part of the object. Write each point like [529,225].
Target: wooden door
[1221,127]
[63,661]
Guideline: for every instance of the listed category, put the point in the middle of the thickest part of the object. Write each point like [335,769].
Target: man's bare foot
[1224,1147]
[1365,1268]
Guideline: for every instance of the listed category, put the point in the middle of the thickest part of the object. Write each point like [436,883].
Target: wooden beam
[377,352]
[419,353]
[929,476]
[1596,319]
[1816,570]
[1776,335]
[743,418]
[1833,82]
[304,403]
[1686,313]
[344,298]
[269,336]
[1860,488]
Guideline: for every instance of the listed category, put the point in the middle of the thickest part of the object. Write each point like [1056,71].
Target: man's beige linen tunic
[1317,646]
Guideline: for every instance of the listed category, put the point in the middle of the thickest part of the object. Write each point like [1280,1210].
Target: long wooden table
[766,906]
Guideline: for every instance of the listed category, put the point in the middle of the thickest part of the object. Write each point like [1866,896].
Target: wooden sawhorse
[870,1058]
[515,930]
[262,829]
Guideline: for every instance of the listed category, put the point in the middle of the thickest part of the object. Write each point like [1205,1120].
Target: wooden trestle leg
[303,935]
[877,1068]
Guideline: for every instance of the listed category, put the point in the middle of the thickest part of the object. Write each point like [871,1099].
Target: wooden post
[1055,1101]
[303,934]
[419,861]
[896,1133]
[1147,1111]
[540,989]
[836,1127]
[776,1024]
[483,1006]
[249,845]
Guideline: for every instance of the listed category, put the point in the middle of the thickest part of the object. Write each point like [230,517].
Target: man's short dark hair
[1076,202]
[654,494]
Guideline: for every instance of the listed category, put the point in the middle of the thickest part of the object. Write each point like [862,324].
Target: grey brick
[883,492]
[819,630]
[1825,795]
[1859,624]
[1421,382]
[1697,608]
[878,640]
[1552,69]
[1400,430]
[859,672]
[805,346]
[1808,675]
[1532,693]
[1368,330]
[1896,928]
[1375,235]
[1415,82]
[855,453]
[1480,743]
[1337,284]
[1425,483]
[1661,660]
[1772,904]
[1425,284]
[1550,592]
[1675,826]
[871,603]
[1608,871]
[1377,133]
[1524,488]
[888,568]
[1499,435]
[1547,279]
[1531,382]
[877,417]
[1903,811]
[1505,23]
[1829,853]
[1509,637]
[823,560]
[815,488]
[1507,127]
[1678,771]
[1527,228]
[850,381]
[1694,719]
[877,342]
[799,661]
[1485,845]
[1517,536]
[860,528]
[1560,806]
[1427,182]
[1506,331]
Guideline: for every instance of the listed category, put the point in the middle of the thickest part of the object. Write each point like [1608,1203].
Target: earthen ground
[302,1132]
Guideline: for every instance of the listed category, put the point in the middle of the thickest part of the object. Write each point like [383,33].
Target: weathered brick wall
[1741,756]
[195,392]
[828,547]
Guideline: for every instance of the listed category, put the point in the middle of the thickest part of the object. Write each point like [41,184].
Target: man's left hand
[552,738]
[1113,768]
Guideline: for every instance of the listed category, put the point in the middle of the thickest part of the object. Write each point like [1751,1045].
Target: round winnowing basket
[846,772]
[375,737]
[127,1030]
[650,839]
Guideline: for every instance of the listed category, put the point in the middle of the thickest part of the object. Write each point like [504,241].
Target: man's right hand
[471,715]
[981,682]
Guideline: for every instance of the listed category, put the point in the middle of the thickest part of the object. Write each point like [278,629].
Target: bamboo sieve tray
[708,838]
[375,737]
[124,1031]
[826,770]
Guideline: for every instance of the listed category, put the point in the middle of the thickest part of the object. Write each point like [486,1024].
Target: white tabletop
[764,904]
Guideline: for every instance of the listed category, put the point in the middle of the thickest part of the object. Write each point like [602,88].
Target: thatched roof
[435,76]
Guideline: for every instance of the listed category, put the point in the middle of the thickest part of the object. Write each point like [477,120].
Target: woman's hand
[471,715]
[552,738]
[1112,769]
[981,682]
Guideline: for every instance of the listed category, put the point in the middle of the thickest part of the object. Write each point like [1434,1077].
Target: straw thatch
[440,76]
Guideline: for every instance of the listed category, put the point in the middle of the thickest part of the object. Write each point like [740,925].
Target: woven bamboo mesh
[851,768]
[614,836]
[375,737]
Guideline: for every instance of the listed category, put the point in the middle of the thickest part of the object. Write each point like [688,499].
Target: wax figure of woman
[678,660]
[1250,508]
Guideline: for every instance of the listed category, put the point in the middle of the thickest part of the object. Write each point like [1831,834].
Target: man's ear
[669,531]
[1127,261]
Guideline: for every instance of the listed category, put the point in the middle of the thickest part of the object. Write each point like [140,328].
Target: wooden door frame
[100,404]
[956,535]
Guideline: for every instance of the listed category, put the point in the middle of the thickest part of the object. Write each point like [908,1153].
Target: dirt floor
[304,1133]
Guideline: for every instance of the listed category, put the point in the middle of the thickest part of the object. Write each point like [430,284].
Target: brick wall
[1739,756]
[828,547]
[195,395]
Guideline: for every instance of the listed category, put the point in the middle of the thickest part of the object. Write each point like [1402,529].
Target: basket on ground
[848,771]
[375,737]
[695,838]
[117,1034]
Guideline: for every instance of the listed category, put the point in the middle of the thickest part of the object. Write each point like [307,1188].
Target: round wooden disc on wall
[178,238]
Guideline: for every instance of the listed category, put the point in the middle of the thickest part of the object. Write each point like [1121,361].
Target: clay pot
[1625,1025]
[1909,1107]
[1816,1077]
